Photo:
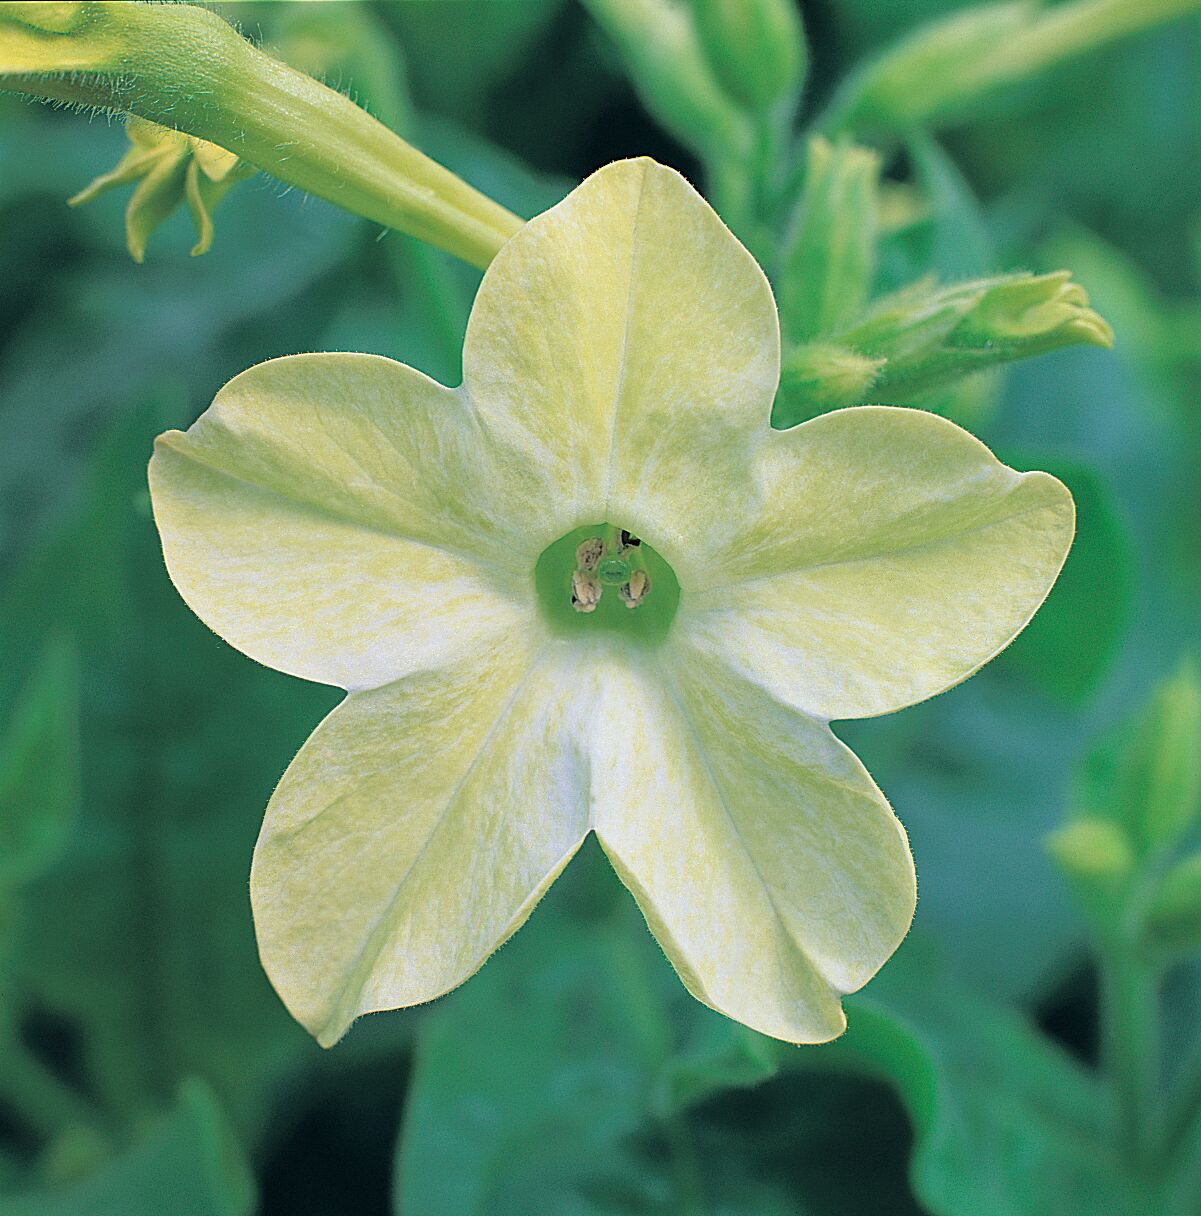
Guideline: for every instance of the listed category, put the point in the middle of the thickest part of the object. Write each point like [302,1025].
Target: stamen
[589,553]
[585,591]
[636,590]
[613,560]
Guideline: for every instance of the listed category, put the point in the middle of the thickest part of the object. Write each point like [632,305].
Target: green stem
[1130,1026]
[183,67]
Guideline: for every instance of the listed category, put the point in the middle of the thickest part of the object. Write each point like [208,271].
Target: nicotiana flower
[592,590]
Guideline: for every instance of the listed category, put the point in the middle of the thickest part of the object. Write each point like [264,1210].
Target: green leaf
[829,258]
[529,1078]
[717,1055]
[187,1163]
[1146,776]
[952,238]
[79,353]
[554,1080]
[39,769]
[1072,641]
[139,939]
[976,776]
[1005,1123]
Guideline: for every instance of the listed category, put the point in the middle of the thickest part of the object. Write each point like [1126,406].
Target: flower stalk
[185,68]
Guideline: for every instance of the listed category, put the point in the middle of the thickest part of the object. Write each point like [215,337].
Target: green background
[145,1064]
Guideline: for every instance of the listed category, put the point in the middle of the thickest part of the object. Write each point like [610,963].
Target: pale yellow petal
[333,516]
[885,555]
[416,830]
[626,345]
[767,863]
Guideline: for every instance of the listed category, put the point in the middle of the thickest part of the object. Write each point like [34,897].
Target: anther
[636,590]
[585,591]
[589,553]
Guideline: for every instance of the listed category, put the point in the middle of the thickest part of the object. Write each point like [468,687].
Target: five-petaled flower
[346,519]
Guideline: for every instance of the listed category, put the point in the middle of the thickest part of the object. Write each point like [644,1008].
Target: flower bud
[1094,852]
[1148,775]
[932,336]
[829,259]
[659,43]
[756,47]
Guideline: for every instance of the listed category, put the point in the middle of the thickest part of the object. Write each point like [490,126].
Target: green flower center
[604,577]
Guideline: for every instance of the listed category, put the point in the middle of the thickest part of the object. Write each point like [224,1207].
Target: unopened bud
[186,68]
[756,48]
[1147,775]
[829,257]
[1091,851]
[661,46]
[932,335]
[939,72]
[941,64]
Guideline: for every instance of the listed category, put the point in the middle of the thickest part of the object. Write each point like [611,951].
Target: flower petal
[627,344]
[887,556]
[767,863]
[415,831]
[336,517]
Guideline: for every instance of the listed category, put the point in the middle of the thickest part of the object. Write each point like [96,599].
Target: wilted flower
[592,590]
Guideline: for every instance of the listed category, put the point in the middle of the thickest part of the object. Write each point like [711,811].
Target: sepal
[170,169]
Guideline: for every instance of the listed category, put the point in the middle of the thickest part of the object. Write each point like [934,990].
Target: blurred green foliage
[145,1064]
